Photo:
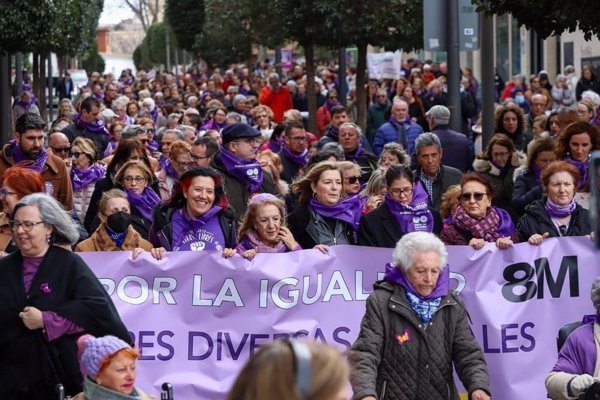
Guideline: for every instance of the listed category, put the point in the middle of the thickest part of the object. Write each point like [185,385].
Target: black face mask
[118,221]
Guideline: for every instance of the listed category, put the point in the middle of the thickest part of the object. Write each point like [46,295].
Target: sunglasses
[61,149]
[76,154]
[467,196]
[353,179]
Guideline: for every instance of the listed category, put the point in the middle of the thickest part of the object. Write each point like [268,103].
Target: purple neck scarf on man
[247,171]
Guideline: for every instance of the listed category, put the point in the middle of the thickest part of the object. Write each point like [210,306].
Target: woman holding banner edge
[197,217]
[557,214]
[324,218]
[263,229]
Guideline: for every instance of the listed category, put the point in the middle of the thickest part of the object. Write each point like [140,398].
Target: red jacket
[279,102]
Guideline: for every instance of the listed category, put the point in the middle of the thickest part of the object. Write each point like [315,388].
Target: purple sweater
[578,355]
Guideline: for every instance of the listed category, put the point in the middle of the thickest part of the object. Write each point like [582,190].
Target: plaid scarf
[485,228]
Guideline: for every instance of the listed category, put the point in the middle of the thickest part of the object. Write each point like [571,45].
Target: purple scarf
[558,211]
[80,178]
[22,160]
[329,106]
[415,216]
[298,159]
[97,127]
[502,169]
[168,167]
[247,171]
[110,148]
[183,225]
[582,166]
[251,240]
[354,156]
[334,132]
[153,145]
[26,106]
[348,210]
[397,122]
[212,124]
[276,144]
[396,275]
[154,114]
[144,202]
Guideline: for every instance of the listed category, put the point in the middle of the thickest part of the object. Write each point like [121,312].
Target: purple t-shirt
[197,236]
[578,355]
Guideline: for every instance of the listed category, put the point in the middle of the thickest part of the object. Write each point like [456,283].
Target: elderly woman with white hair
[576,369]
[48,296]
[415,330]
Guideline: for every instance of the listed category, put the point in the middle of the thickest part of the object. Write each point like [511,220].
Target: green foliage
[92,60]
[156,44]
[43,26]
[549,17]
[224,38]
[186,24]
[141,58]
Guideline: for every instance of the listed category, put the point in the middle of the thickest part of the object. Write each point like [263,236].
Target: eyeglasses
[399,192]
[299,139]
[149,130]
[27,225]
[478,196]
[503,154]
[251,140]
[198,158]
[76,154]
[61,149]
[4,193]
[184,163]
[352,179]
[136,179]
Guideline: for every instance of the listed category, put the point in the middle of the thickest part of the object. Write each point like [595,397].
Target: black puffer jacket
[525,191]
[419,368]
[536,220]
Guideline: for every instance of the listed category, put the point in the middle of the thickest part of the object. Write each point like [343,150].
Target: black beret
[238,131]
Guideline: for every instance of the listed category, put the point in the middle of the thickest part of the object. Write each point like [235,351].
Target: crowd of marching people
[192,162]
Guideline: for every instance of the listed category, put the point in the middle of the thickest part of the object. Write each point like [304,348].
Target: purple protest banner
[197,317]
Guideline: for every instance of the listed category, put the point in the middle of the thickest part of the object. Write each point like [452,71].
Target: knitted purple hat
[95,350]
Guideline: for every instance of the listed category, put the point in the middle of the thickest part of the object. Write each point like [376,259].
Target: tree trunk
[361,87]
[42,87]
[309,53]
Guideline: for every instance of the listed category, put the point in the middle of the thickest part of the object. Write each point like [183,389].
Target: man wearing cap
[88,124]
[28,151]
[456,150]
[237,163]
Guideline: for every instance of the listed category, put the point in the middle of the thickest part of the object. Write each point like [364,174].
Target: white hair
[413,243]
[596,293]
[591,96]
